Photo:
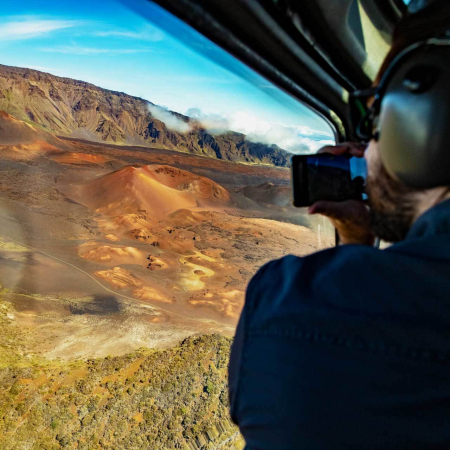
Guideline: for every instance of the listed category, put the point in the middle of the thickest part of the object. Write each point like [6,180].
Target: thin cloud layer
[29,27]
[294,139]
[81,50]
[299,139]
[147,34]
[213,123]
[172,122]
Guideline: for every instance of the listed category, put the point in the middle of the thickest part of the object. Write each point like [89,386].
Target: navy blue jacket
[348,348]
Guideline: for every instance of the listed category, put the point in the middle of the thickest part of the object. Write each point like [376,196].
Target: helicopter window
[142,184]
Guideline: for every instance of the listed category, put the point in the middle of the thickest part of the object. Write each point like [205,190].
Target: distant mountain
[73,108]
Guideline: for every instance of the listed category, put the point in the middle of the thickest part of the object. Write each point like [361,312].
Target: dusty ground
[105,249]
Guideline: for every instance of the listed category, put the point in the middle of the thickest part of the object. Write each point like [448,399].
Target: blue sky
[107,44]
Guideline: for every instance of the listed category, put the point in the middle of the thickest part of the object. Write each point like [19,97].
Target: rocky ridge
[73,108]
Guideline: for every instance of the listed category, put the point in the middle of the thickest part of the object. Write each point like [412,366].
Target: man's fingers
[333,210]
[351,218]
[349,210]
[334,149]
[353,148]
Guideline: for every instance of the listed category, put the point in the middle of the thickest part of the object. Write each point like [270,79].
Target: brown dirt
[77,158]
[116,249]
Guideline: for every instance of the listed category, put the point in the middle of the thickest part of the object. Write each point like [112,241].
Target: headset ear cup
[420,78]
[414,121]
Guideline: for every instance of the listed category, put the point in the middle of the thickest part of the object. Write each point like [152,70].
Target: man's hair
[429,19]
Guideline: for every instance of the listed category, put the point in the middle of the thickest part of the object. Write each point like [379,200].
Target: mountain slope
[155,191]
[23,141]
[14,131]
[78,109]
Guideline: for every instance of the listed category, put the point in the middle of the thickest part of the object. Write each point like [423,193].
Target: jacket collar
[432,222]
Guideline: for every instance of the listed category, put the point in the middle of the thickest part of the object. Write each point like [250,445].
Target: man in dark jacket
[350,347]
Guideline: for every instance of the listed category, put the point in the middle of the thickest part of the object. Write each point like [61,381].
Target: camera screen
[328,177]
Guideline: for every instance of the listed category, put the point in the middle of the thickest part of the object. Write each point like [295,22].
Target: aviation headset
[410,115]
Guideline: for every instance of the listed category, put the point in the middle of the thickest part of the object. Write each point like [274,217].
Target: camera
[327,177]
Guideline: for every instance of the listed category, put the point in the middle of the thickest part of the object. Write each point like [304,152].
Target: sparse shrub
[15,388]
[183,394]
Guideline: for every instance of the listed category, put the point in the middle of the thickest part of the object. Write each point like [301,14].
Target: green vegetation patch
[171,399]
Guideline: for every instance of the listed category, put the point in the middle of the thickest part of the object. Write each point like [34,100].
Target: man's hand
[351,218]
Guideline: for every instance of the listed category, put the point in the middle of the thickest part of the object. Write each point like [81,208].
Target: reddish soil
[123,247]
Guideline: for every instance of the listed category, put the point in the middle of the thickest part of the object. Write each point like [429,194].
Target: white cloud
[295,139]
[147,34]
[172,122]
[80,50]
[214,123]
[31,28]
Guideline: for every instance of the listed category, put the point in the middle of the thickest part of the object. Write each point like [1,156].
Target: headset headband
[363,118]
[381,88]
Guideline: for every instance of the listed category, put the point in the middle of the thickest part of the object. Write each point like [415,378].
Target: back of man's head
[425,19]
[395,202]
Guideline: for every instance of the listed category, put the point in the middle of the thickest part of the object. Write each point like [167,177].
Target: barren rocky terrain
[105,249]
[123,271]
